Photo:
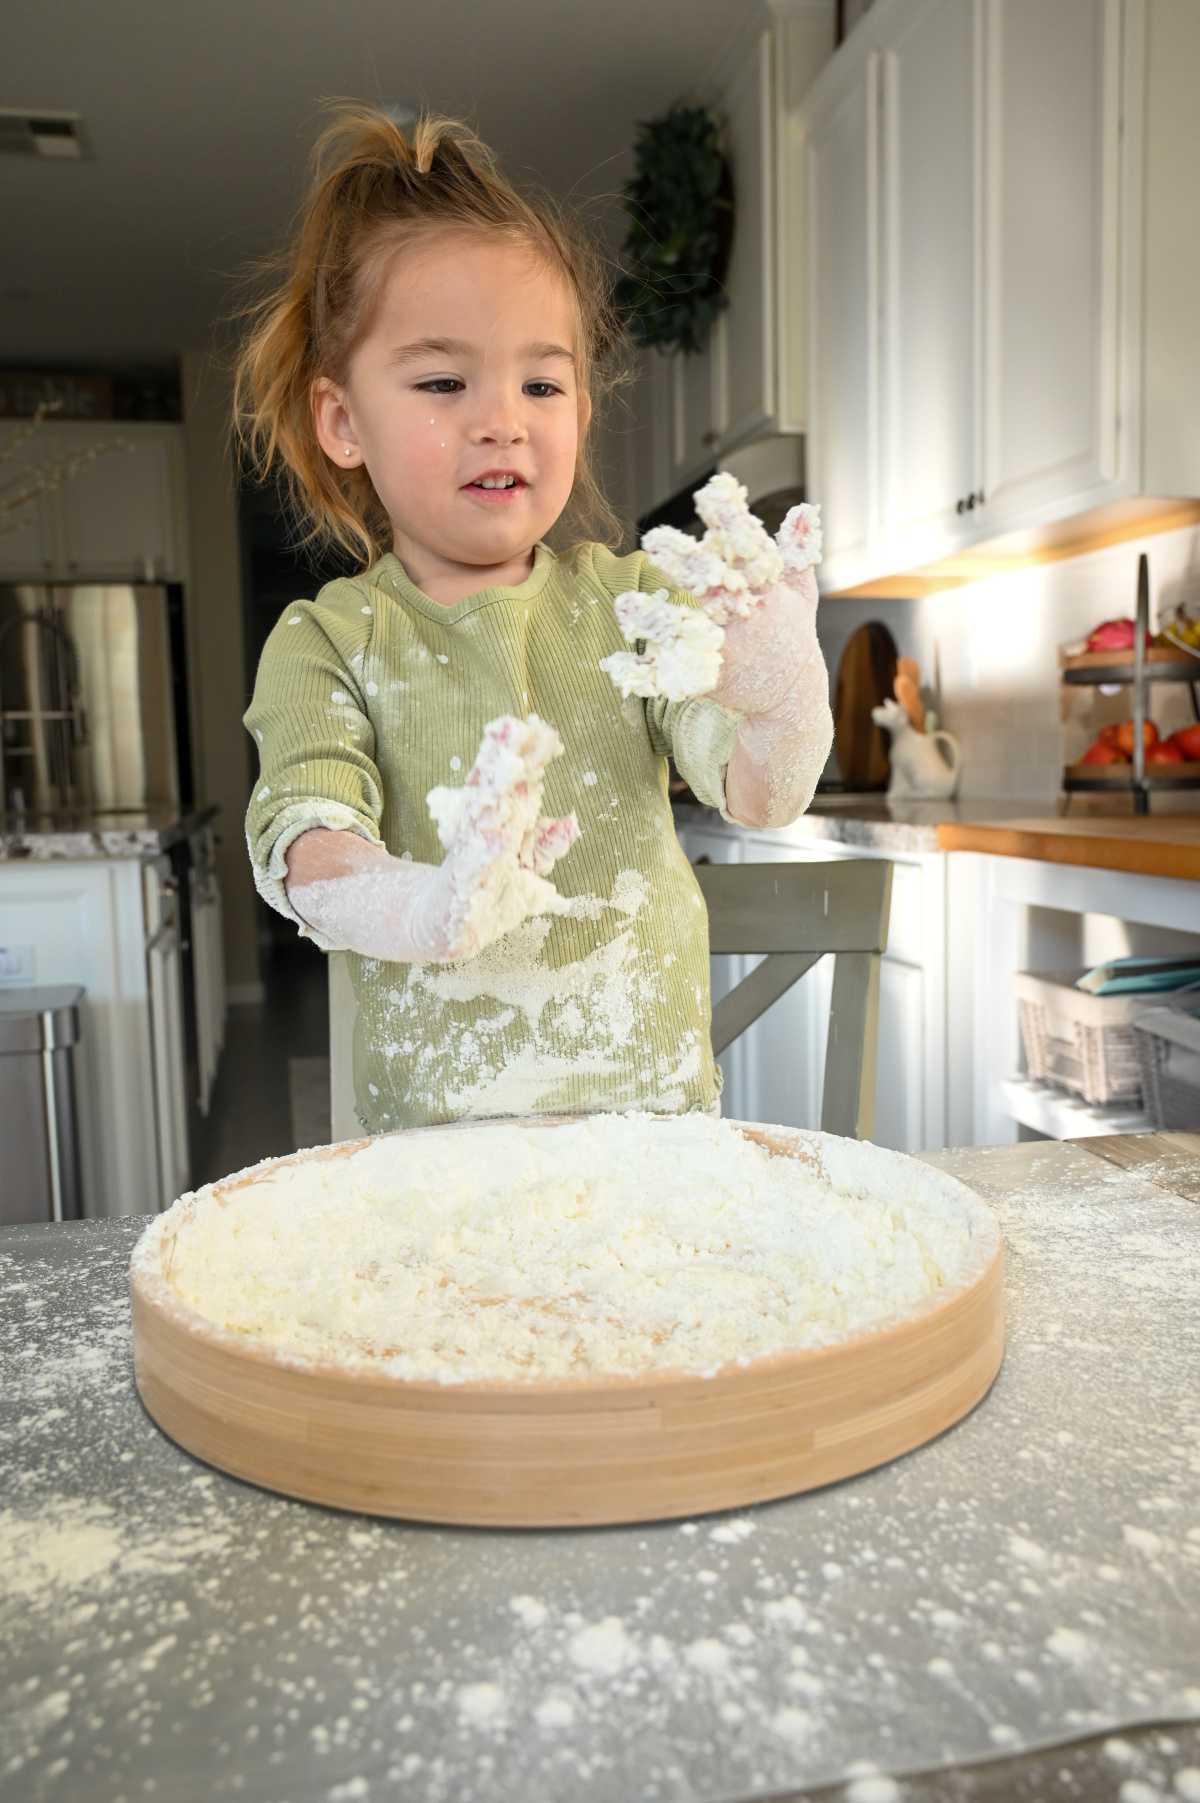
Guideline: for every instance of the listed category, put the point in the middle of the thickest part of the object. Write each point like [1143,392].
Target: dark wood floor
[250,1114]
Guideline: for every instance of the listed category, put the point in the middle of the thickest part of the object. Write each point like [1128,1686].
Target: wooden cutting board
[586,1451]
[865,676]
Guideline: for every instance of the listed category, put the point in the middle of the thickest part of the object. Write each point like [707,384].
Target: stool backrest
[796,913]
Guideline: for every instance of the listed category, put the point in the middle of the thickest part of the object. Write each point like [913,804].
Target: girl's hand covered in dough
[499,854]
[756,653]
[499,849]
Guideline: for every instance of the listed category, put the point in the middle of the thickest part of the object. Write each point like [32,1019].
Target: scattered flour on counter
[554,1712]
[478,1703]
[728,1533]
[604,1648]
[793,1724]
[528,1610]
[1069,1644]
[788,1610]
[1187,1783]
[708,1656]
[873,1790]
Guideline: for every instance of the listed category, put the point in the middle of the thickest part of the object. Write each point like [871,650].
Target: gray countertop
[877,824]
[37,838]
[1031,1579]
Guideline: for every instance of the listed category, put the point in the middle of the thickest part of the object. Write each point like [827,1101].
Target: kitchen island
[127,905]
[1029,1580]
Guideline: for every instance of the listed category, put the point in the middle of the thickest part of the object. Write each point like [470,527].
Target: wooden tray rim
[151,1289]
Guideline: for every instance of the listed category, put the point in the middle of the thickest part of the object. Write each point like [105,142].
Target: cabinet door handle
[970,502]
[979,497]
[960,506]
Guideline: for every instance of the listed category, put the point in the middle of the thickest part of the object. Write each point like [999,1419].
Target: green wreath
[676,254]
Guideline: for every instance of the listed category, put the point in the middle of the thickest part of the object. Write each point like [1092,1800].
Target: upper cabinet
[119,517]
[749,379]
[1001,355]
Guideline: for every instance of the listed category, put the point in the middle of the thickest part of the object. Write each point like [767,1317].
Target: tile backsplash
[992,648]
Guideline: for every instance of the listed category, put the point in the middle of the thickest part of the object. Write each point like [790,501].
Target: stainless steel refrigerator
[93,699]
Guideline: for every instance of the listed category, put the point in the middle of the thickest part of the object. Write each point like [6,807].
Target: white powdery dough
[731,571]
[1187,1783]
[501,800]
[683,654]
[616,1243]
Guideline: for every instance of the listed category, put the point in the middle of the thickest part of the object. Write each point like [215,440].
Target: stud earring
[349,451]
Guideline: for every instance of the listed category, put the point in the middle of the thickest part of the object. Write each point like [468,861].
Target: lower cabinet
[775,1071]
[112,924]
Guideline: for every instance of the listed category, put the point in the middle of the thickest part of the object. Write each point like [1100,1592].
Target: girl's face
[426,419]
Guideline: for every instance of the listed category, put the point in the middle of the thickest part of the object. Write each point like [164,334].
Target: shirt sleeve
[316,749]
[699,734]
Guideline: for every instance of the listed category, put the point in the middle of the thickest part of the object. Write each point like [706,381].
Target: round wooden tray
[585,1451]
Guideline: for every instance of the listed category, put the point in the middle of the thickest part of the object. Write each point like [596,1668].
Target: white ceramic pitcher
[919,768]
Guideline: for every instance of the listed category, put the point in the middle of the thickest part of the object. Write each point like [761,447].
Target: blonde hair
[374,191]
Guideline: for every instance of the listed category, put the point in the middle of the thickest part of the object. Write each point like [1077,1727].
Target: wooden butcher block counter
[1153,845]
[1100,831]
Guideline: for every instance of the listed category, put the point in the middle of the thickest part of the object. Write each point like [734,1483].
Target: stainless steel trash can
[39,1144]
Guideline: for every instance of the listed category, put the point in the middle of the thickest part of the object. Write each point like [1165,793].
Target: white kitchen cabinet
[121,516]
[750,377]
[843,444]
[1014,282]
[928,406]
[1051,256]
[101,923]
[693,405]
[27,549]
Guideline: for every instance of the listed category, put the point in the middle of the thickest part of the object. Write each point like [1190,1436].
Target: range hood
[772,470]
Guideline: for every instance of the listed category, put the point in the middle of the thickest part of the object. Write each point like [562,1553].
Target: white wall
[995,644]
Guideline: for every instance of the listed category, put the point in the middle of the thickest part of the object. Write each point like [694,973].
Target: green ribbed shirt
[371,695]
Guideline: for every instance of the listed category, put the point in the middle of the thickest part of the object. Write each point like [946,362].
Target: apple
[1187,740]
[1114,635]
[1103,754]
[1166,753]
[1125,736]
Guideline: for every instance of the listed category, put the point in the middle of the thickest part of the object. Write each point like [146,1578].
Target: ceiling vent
[26,134]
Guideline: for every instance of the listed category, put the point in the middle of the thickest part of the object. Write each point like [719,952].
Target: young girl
[435,332]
